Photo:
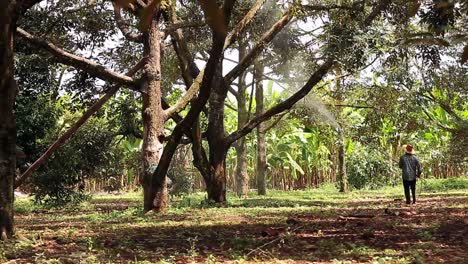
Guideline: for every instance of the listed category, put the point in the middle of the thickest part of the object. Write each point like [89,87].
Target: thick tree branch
[258,48]
[177,118]
[188,65]
[78,62]
[200,159]
[252,88]
[429,39]
[191,92]
[72,130]
[426,41]
[240,27]
[180,25]
[128,34]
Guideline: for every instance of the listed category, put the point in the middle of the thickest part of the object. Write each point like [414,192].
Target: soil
[435,230]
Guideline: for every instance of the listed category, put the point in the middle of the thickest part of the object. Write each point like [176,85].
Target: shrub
[369,168]
[88,154]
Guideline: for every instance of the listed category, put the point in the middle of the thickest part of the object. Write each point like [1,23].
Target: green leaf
[349,147]
[428,135]
[294,164]
[130,176]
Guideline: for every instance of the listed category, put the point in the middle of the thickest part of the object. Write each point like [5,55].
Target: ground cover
[319,225]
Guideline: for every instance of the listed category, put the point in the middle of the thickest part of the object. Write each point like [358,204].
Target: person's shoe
[414,202]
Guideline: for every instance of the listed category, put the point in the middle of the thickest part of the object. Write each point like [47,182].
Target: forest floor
[315,226]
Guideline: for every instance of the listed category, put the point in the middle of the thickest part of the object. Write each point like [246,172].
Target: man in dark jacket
[411,170]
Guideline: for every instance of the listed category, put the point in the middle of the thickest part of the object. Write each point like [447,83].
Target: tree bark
[195,109]
[342,176]
[242,177]
[216,186]
[217,138]
[261,140]
[158,177]
[8,90]
[154,197]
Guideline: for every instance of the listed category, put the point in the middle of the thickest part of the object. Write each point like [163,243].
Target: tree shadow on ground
[363,231]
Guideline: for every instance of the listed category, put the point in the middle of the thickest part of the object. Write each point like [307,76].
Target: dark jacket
[410,166]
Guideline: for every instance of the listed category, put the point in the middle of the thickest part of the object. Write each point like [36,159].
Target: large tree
[10,12]
[154,116]
[212,166]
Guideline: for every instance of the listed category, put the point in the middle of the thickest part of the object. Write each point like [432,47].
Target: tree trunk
[154,197]
[261,140]
[342,176]
[216,184]
[197,106]
[8,90]
[242,177]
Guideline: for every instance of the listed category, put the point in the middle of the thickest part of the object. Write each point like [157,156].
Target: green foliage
[369,167]
[36,118]
[438,185]
[88,154]
[25,206]
[130,148]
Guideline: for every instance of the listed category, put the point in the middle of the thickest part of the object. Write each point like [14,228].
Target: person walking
[411,170]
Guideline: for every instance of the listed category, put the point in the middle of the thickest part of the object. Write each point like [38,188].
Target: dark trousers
[407,185]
